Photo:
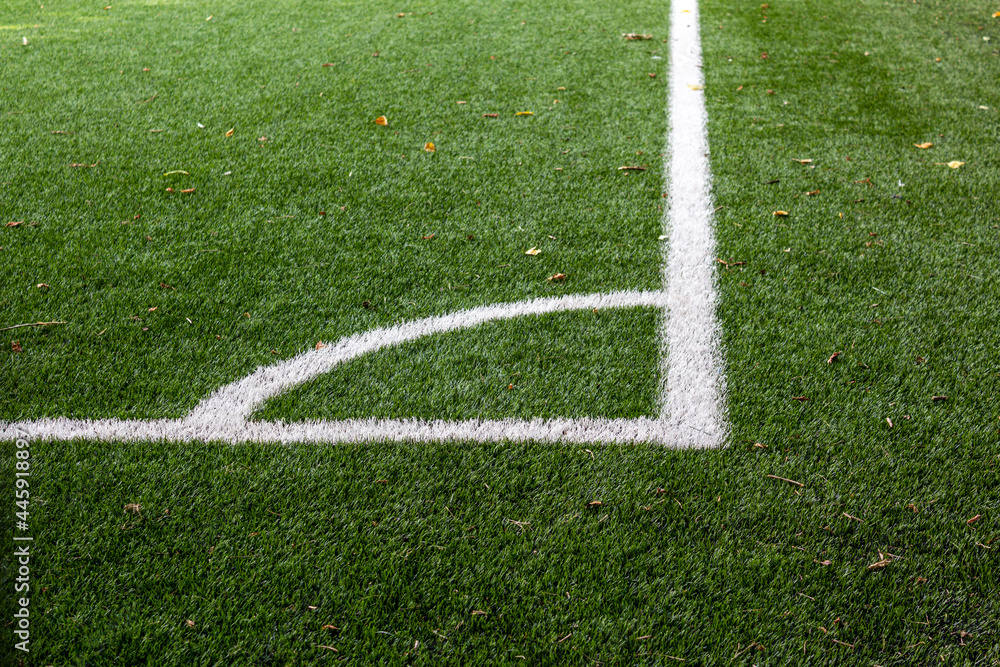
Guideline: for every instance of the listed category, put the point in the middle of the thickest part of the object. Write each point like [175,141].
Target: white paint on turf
[692,413]
[693,367]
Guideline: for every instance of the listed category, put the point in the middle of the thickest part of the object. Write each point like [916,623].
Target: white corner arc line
[692,408]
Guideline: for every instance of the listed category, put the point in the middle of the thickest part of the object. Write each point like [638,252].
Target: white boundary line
[692,411]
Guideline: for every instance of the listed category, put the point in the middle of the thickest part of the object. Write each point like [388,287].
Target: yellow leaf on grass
[805,161]
[955,164]
[525,113]
[996,15]
[927,145]
[532,251]
[781,213]
[381,121]
[429,147]
[693,87]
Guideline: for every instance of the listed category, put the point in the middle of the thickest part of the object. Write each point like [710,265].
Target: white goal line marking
[692,407]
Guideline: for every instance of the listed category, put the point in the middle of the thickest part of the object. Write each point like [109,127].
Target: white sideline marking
[692,410]
[693,369]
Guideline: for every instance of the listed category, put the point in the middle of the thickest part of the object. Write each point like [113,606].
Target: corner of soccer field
[638,333]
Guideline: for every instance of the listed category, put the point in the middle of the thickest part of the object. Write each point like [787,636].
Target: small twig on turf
[31,324]
[790,481]
[837,641]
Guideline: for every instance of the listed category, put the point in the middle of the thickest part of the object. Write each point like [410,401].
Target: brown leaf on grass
[61,132]
[558,276]
[428,237]
[320,345]
[814,192]
[889,422]
[833,357]
[926,145]
[15,346]
[913,507]
[331,628]
[635,36]
[595,503]
[938,399]
[328,648]
[632,168]
[800,398]
[780,214]
[190,623]
[187,191]
[429,147]
[652,75]
[381,120]
[231,131]
[879,564]
[42,286]
[532,251]
[803,161]
[823,562]
[14,223]
[80,164]
[328,65]
[477,612]
[974,519]
[170,189]
[491,115]
[134,508]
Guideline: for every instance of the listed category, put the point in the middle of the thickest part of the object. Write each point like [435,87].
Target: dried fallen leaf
[24,41]
[558,276]
[880,564]
[938,399]
[14,223]
[800,398]
[532,251]
[477,612]
[177,171]
[695,87]
[913,507]
[927,145]
[381,120]
[42,286]
[525,113]
[630,168]
[833,357]
[955,164]
[974,519]
[170,189]
[813,192]
[889,422]
[996,15]
[134,508]
[187,191]
[15,346]
[320,345]
[635,36]
[780,214]
[491,115]
[429,147]
[804,161]
[823,562]
[428,237]
[332,628]
[595,503]
[190,623]
[230,132]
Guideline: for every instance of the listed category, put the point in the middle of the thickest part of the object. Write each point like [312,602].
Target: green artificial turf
[310,222]
[527,367]
[822,535]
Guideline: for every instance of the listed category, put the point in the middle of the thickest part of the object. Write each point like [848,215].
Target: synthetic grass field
[310,223]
